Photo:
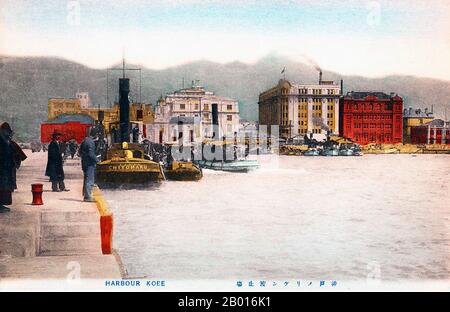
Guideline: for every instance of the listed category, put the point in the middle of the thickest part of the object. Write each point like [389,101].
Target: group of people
[11,157]
[55,168]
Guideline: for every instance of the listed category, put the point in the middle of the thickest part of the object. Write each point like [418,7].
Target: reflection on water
[310,217]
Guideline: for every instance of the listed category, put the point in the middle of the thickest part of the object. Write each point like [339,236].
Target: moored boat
[126,164]
[330,152]
[311,152]
[183,171]
[346,152]
[243,165]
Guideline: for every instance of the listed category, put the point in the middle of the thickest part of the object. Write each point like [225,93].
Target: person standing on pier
[55,168]
[88,164]
[73,147]
[11,156]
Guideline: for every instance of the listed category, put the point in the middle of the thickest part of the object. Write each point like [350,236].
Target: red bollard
[37,190]
[106,231]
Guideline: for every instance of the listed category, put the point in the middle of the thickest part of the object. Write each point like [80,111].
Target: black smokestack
[124,105]
[215,120]
[101,116]
[342,87]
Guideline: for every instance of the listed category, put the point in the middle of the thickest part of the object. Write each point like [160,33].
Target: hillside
[27,83]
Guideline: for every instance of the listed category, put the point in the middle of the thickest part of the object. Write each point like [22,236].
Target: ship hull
[183,171]
[346,152]
[234,166]
[331,152]
[128,173]
[311,153]
[178,175]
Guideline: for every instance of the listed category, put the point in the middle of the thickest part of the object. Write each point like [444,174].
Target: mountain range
[26,84]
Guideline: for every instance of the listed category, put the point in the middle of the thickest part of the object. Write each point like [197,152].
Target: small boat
[311,152]
[243,165]
[183,171]
[346,152]
[330,152]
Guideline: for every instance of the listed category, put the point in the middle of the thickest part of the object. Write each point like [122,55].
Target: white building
[190,114]
[85,101]
[299,109]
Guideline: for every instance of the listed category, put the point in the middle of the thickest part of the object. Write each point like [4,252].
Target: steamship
[126,163]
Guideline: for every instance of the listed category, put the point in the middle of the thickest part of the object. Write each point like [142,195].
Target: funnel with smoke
[315,65]
[312,62]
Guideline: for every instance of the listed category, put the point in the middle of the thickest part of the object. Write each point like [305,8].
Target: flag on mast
[284,69]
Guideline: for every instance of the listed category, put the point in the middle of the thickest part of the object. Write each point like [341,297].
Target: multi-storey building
[194,110]
[415,117]
[299,109]
[139,113]
[371,117]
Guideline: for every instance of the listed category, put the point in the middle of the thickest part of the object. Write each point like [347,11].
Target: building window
[229,117]
[182,106]
[317,91]
[229,107]
[196,106]
[206,107]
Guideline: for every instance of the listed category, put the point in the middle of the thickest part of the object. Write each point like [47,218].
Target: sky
[352,37]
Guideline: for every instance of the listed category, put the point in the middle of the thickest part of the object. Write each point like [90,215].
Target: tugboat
[126,163]
[181,170]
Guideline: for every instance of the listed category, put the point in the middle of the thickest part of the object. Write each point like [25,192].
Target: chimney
[320,77]
[342,87]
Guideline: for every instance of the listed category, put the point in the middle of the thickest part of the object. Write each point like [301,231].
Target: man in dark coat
[73,147]
[55,168]
[88,164]
[11,156]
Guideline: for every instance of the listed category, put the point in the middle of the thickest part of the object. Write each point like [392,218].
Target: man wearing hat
[55,168]
[11,156]
[88,164]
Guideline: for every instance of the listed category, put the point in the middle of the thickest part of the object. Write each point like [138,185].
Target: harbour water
[297,218]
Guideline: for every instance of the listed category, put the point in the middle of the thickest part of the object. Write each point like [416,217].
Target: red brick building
[371,117]
[434,132]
